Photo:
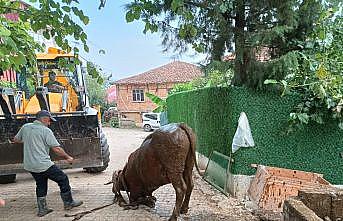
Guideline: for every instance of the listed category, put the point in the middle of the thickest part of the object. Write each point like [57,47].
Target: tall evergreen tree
[240,26]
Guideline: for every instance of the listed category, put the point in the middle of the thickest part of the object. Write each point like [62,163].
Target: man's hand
[60,152]
[70,159]
[59,87]
[14,140]
[2,202]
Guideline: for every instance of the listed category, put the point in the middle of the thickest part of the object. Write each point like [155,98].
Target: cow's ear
[117,174]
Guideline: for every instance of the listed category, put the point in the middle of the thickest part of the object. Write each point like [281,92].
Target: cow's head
[116,180]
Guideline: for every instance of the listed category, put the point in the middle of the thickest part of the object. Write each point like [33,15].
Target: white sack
[243,136]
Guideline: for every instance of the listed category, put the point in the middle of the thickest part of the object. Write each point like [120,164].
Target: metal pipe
[64,100]
[75,113]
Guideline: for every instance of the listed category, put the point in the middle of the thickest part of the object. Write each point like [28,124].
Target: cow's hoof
[172,218]
[122,203]
[184,210]
[149,203]
[130,207]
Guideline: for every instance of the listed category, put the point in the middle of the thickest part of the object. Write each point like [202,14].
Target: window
[138,95]
[151,116]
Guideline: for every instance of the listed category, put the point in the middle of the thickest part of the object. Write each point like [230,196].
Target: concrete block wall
[295,210]
[317,203]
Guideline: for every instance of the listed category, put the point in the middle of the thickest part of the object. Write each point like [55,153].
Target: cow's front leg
[180,189]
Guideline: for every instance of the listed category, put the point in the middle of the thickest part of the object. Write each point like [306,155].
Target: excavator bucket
[77,134]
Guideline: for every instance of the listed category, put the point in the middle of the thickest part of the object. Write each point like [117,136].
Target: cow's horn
[109,182]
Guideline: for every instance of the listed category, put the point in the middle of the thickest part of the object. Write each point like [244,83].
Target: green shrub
[7,84]
[114,122]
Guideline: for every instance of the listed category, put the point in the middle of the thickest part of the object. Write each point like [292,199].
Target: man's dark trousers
[53,173]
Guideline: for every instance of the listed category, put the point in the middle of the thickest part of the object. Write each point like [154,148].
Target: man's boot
[68,201]
[42,207]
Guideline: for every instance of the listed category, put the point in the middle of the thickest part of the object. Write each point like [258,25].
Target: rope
[78,216]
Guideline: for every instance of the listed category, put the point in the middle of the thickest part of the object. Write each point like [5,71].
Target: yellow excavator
[64,94]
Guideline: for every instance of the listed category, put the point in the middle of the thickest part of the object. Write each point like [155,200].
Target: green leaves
[79,13]
[133,14]
[161,103]
[95,72]
[97,83]
[176,4]
[17,48]
[302,117]
[226,6]
[150,27]
[4,32]
[130,17]
[66,8]
[268,81]
[321,35]
[318,80]
[52,19]
[188,31]
[86,48]
[7,84]
[85,20]
[20,60]
[213,27]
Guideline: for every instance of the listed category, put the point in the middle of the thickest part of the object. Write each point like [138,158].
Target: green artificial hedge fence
[213,113]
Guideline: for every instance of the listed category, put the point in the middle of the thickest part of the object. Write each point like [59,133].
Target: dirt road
[206,203]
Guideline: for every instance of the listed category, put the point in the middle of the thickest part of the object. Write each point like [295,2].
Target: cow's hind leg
[187,176]
[180,189]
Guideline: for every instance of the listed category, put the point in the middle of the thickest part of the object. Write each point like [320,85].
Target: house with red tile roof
[130,92]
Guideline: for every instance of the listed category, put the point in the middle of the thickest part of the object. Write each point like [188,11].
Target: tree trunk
[240,75]
[218,49]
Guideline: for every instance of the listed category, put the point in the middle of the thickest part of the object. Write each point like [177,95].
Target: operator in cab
[53,85]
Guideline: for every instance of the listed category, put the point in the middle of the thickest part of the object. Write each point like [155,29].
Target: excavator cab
[61,89]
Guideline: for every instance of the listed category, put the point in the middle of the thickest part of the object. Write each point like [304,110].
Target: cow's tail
[192,141]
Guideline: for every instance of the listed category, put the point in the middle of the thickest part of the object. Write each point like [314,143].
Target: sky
[128,50]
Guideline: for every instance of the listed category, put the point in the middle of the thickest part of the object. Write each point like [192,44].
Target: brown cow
[165,156]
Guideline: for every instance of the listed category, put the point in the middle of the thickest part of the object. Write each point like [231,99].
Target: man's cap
[44,113]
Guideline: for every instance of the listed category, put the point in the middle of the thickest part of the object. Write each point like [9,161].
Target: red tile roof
[174,72]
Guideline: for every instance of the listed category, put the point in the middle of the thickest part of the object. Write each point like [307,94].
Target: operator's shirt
[49,85]
[37,139]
